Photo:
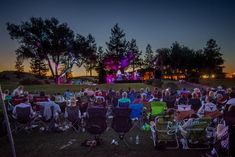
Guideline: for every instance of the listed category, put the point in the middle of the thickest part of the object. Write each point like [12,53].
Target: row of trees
[181,58]
[51,45]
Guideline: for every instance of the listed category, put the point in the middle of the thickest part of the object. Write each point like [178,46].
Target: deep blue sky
[159,23]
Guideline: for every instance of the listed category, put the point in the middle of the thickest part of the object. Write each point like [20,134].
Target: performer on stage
[119,75]
[136,75]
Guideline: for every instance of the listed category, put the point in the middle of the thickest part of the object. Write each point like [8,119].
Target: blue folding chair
[137,114]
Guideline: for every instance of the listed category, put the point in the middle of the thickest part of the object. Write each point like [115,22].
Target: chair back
[158,107]
[229,117]
[184,107]
[124,104]
[73,113]
[23,114]
[122,122]
[47,112]
[96,122]
[40,99]
[17,100]
[136,110]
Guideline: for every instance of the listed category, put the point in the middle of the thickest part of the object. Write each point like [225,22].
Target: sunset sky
[155,22]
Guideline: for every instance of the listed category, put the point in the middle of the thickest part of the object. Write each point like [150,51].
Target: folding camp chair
[23,119]
[46,117]
[96,122]
[136,114]
[73,115]
[197,134]
[121,122]
[164,130]
[157,108]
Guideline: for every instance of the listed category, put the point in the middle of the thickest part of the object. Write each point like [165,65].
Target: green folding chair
[158,108]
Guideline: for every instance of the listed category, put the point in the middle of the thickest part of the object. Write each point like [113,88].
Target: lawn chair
[23,119]
[137,114]
[39,99]
[73,115]
[17,100]
[121,122]
[183,112]
[96,122]
[157,108]
[46,117]
[197,135]
[164,131]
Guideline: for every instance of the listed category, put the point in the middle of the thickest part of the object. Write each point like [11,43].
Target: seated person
[138,100]
[222,141]
[124,100]
[99,101]
[47,106]
[59,98]
[220,101]
[231,102]
[115,99]
[209,109]
[183,99]
[156,97]
[18,91]
[68,94]
[184,132]
[24,104]
[7,96]
[183,112]
[195,102]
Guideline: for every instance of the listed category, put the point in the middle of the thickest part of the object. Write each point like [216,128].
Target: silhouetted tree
[38,67]
[213,61]
[133,48]
[51,41]
[91,60]
[148,58]
[100,67]
[117,45]
[19,65]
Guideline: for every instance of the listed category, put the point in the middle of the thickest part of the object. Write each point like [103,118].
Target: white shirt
[231,102]
[17,91]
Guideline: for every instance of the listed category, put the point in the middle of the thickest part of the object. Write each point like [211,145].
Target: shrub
[28,81]
[157,83]
[47,82]
[4,77]
[149,82]
[193,79]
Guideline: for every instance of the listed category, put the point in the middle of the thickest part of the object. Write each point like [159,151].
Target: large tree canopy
[52,41]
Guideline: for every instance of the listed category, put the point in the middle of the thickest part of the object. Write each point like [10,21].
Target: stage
[128,81]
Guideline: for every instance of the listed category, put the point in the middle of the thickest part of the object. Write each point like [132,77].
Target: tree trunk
[90,72]
[57,77]
[50,67]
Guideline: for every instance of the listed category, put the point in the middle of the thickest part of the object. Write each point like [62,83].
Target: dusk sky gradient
[158,23]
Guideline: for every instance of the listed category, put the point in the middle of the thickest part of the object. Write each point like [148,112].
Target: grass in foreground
[40,144]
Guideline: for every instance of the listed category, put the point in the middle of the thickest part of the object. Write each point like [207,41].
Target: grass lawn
[40,144]
[218,82]
[52,88]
